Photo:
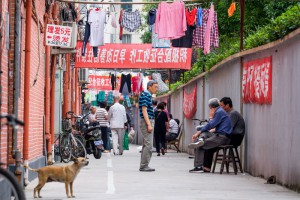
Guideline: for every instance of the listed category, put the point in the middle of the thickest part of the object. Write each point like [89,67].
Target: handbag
[126,141]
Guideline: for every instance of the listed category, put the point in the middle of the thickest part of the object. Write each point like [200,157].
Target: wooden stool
[237,158]
[227,156]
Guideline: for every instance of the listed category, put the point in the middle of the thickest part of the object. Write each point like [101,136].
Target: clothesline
[124,3]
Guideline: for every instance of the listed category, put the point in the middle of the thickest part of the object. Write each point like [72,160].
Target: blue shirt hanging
[199,17]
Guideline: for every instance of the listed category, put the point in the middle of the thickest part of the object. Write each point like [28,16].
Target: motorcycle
[90,135]
[93,140]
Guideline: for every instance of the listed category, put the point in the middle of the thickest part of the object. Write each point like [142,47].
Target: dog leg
[34,192]
[37,189]
[42,182]
[67,189]
[71,188]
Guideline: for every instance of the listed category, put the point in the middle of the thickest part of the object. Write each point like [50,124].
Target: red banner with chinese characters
[257,81]
[133,56]
[190,103]
[101,83]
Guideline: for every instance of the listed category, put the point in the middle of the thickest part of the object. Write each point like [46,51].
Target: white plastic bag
[131,135]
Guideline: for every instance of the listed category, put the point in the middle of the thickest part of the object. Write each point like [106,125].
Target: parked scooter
[93,140]
[89,134]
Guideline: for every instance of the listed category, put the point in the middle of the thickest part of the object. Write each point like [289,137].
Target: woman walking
[160,128]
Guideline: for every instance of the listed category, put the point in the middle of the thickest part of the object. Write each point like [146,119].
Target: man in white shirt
[117,119]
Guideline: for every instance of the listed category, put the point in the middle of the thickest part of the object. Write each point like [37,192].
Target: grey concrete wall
[272,131]
[224,81]
[273,139]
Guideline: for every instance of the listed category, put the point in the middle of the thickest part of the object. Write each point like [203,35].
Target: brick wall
[36,91]
[4,80]
[11,65]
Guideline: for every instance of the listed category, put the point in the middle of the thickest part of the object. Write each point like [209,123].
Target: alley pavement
[118,177]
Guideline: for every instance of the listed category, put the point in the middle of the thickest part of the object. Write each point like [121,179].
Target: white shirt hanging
[97,20]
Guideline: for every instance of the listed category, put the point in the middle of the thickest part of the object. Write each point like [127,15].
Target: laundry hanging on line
[156,42]
[125,88]
[187,40]
[231,9]
[186,28]
[198,36]
[94,30]
[131,20]
[170,20]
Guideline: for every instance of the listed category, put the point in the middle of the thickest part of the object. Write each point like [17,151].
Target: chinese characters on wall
[257,81]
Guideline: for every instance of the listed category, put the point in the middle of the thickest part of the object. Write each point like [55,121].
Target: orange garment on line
[231,9]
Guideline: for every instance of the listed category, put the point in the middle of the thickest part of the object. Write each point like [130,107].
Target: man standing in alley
[147,124]
[117,119]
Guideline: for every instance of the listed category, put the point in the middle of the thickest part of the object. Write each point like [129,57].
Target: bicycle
[79,125]
[88,133]
[8,181]
[202,123]
[69,145]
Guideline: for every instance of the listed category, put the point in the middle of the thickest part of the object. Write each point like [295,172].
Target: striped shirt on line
[146,100]
[100,116]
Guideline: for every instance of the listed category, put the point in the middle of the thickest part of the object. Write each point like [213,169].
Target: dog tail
[35,170]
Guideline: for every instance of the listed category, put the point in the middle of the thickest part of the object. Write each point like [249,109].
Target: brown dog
[66,174]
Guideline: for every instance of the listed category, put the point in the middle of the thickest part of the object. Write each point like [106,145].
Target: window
[126,39]
[126,6]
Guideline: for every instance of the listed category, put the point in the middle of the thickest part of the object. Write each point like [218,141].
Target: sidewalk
[118,177]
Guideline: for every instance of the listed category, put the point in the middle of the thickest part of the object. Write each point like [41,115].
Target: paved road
[118,177]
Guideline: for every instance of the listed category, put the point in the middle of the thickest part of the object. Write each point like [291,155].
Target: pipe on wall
[17,58]
[66,86]
[27,77]
[47,20]
[47,102]
[27,84]
[52,103]
[53,11]
[77,99]
[16,153]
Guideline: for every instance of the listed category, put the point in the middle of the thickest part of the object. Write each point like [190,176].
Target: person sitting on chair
[221,136]
[237,120]
[172,133]
[238,129]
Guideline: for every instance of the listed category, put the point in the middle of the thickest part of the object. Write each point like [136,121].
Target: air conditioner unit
[84,75]
[74,34]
